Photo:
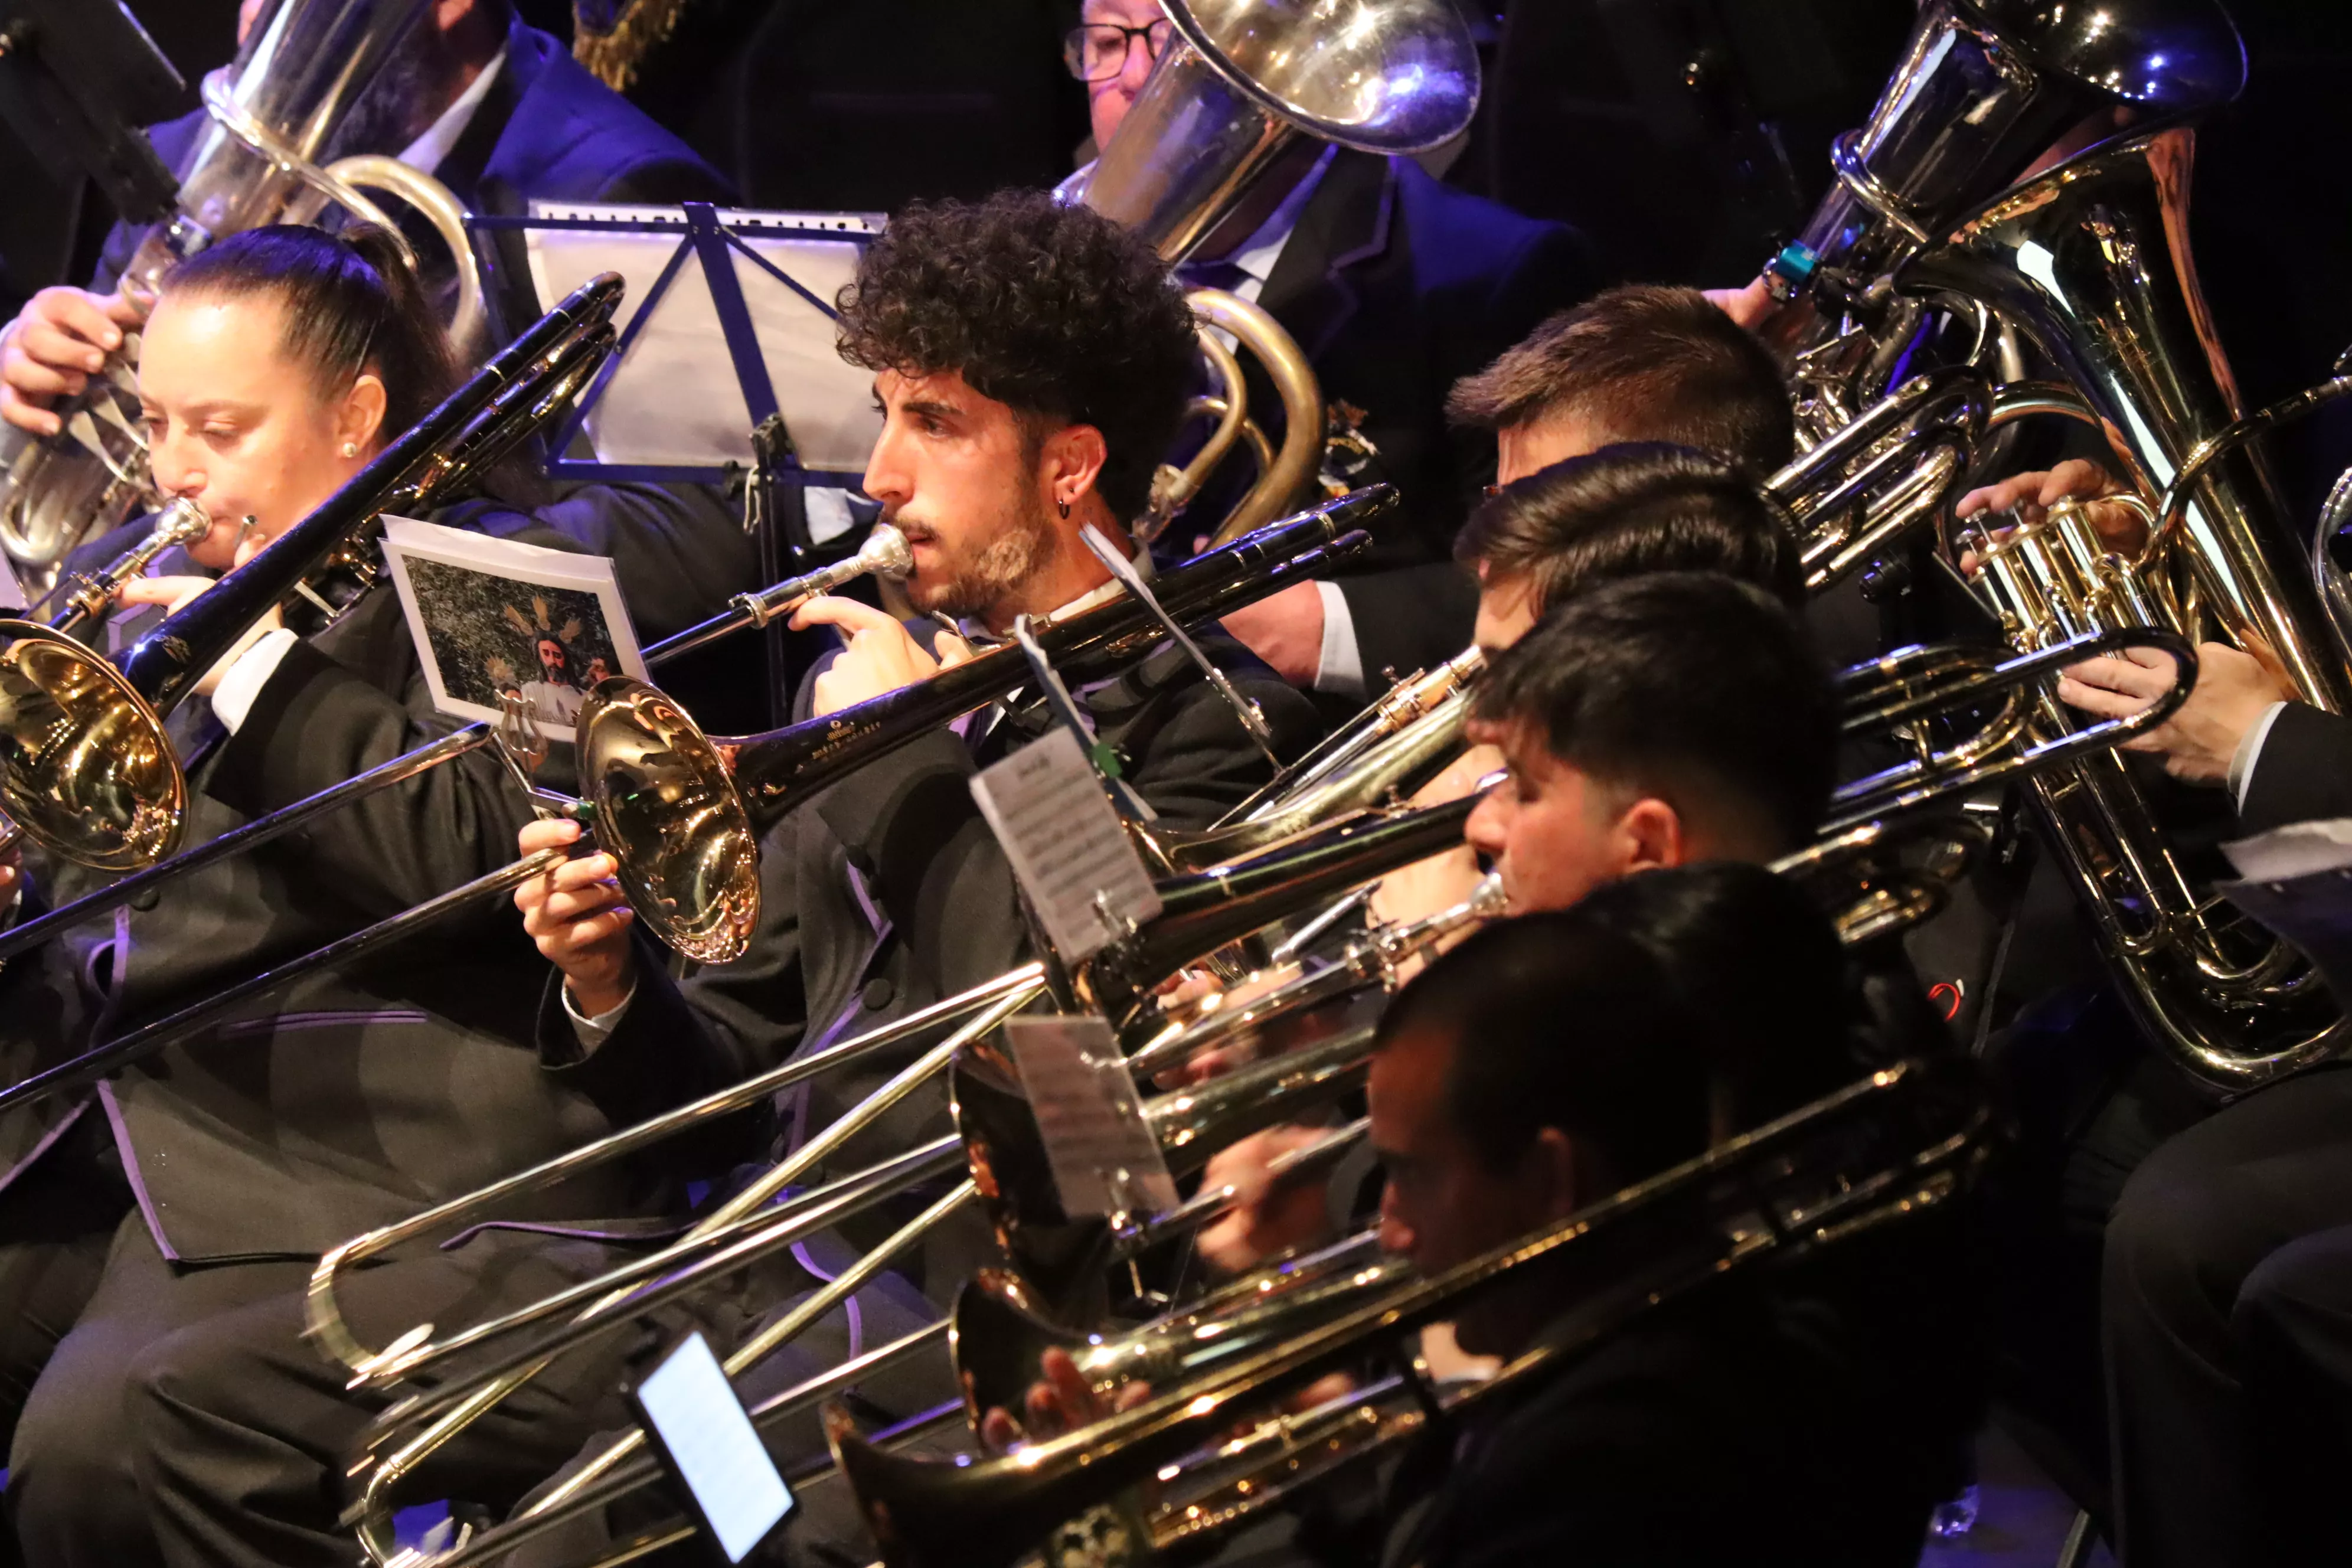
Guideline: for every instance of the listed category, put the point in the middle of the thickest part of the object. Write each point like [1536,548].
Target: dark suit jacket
[1397,286]
[2304,771]
[547,128]
[1809,1420]
[888,893]
[362,1093]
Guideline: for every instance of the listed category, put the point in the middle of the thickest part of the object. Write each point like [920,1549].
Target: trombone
[663,797]
[883,554]
[1900,1142]
[1200,912]
[85,769]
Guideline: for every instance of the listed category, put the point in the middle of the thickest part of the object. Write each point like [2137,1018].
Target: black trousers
[172,1413]
[2226,1288]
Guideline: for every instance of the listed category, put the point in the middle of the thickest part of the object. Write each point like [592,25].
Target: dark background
[1685,136]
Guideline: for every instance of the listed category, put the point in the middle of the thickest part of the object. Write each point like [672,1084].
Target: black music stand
[78,77]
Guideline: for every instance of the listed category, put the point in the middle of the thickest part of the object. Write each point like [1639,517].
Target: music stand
[724,366]
[78,77]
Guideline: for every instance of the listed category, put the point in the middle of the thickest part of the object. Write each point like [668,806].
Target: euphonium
[2090,262]
[1983,88]
[85,767]
[261,160]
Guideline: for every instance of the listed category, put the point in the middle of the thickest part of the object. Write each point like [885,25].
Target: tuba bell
[1982,90]
[1240,83]
[264,156]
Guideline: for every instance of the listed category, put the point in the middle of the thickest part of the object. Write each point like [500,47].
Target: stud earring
[1063,507]
[350,448]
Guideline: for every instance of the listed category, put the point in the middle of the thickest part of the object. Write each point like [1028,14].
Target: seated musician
[1635,363]
[1031,360]
[1802,1413]
[2226,1261]
[1395,284]
[494,108]
[156,1235]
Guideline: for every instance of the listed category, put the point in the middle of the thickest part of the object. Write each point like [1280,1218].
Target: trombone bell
[85,766]
[665,807]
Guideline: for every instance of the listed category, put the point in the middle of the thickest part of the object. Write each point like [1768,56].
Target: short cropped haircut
[1055,310]
[1704,691]
[1642,363]
[1761,961]
[1561,1021]
[1628,509]
[1630,1020]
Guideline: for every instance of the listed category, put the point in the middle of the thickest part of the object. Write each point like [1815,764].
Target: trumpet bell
[667,810]
[1242,77]
[85,766]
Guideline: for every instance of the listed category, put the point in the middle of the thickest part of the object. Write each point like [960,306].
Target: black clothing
[2180,1307]
[1808,1418]
[155,1354]
[1396,287]
[362,1093]
[2304,771]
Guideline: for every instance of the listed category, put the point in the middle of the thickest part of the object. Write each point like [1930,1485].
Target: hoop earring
[1064,508]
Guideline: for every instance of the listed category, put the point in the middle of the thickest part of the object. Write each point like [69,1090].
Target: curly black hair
[1054,309]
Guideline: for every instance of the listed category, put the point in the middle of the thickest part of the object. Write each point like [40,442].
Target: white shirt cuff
[1340,666]
[242,681]
[596,1031]
[2250,752]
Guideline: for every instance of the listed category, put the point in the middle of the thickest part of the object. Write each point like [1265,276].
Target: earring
[350,448]
[1063,507]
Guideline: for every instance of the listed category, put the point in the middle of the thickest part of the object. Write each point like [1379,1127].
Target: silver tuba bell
[273,120]
[1984,89]
[1240,83]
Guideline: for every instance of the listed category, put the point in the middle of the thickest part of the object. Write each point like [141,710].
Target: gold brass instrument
[1201,913]
[884,553]
[2090,263]
[85,767]
[682,814]
[1894,1144]
[1981,90]
[1239,86]
[261,159]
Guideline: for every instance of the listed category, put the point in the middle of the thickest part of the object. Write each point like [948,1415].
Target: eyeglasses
[1097,50]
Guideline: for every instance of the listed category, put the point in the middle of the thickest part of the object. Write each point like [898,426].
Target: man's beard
[987,582]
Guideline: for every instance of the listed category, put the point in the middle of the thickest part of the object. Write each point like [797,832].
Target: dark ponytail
[352,303]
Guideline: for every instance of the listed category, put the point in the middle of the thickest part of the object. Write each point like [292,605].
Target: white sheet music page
[1103,1156]
[1067,844]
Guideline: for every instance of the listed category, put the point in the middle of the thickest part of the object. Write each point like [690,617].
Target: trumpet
[1893,1145]
[85,767]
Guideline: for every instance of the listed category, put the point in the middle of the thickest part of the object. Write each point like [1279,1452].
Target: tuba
[272,118]
[1239,84]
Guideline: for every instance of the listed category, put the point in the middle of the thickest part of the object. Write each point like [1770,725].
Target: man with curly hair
[1031,362]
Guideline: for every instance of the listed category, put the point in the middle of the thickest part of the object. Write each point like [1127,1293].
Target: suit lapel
[1345,223]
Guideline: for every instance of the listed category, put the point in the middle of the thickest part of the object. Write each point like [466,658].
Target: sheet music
[674,400]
